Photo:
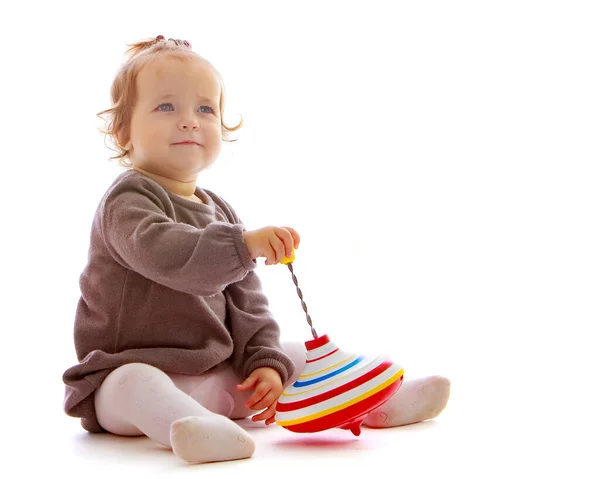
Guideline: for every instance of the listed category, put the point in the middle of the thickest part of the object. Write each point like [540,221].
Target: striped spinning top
[336,389]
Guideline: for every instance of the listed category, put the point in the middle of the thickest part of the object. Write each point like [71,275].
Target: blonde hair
[123,91]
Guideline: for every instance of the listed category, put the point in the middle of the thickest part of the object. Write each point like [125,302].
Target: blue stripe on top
[299,384]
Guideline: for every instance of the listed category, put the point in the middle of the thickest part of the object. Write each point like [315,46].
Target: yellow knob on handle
[287,260]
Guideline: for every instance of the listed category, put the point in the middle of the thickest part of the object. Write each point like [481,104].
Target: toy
[335,388]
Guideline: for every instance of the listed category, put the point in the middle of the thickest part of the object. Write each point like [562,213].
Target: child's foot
[210,439]
[415,401]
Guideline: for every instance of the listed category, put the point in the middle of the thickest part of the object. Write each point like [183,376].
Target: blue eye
[163,104]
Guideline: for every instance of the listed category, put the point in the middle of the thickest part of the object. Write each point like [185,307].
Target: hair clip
[177,42]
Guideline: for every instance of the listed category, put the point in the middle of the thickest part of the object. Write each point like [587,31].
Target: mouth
[188,143]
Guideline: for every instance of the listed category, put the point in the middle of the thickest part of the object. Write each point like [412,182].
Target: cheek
[150,132]
[213,137]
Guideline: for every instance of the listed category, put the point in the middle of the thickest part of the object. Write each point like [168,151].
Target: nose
[188,123]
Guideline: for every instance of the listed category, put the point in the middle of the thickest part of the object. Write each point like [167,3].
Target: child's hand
[267,386]
[272,242]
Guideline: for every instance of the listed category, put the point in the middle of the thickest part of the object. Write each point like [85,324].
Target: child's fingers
[278,247]
[271,255]
[257,396]
[295,235]
[267,415]
[287,243]
[270,421]
[266,401]
[247,384]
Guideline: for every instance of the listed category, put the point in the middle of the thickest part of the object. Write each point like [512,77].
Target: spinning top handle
[289,261]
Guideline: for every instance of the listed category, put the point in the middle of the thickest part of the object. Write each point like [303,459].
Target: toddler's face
[160,121]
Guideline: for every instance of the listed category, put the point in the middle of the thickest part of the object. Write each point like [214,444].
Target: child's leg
[297,353]
[415,401]
[138,399]
[207,389]
[217,391]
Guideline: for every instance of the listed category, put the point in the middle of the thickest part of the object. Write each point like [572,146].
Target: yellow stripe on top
[328,368]
[317,415]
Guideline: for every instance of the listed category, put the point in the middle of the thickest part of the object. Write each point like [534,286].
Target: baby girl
[173,333]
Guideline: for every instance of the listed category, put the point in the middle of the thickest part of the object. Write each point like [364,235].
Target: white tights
[181,411]
[139,399]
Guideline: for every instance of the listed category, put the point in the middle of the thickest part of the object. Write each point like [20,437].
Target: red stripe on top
[328,354]
[334,392]
[316,343]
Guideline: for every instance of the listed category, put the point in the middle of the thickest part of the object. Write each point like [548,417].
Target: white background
[440,161]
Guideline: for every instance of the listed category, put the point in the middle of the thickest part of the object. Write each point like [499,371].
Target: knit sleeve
[254,331]
[142,237]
